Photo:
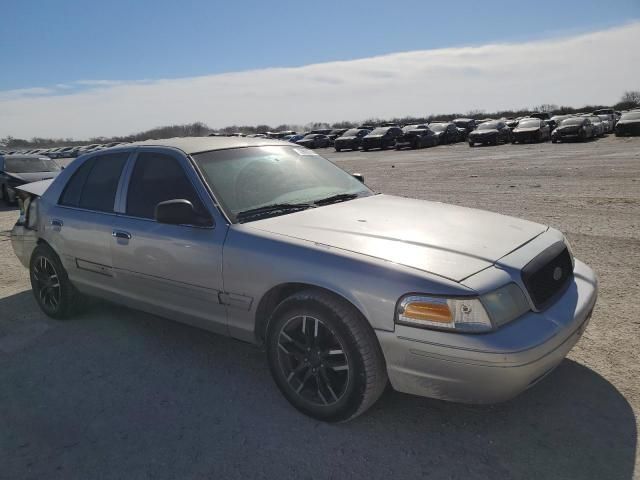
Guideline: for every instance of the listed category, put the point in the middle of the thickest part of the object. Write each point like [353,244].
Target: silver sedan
[346,289]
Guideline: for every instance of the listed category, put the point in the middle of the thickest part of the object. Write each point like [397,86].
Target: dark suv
[382,138]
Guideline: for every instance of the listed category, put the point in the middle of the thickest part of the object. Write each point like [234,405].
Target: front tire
[55,294]
[324,356]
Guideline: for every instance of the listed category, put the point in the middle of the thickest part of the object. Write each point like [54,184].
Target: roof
[191,145]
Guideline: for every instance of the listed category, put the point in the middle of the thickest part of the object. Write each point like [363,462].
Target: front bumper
[347,145]
[526,136]
[496,366]
[483,138]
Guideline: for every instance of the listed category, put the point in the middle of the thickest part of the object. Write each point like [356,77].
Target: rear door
[80,224]
[171,270]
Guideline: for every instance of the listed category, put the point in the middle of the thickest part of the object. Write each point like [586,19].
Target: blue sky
[44,43]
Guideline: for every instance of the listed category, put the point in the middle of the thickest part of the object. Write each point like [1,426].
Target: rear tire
[324,356]
[55,294]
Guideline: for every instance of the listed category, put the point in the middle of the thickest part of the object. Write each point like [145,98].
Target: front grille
[548,275]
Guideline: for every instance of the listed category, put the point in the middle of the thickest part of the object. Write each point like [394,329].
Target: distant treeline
[628,101]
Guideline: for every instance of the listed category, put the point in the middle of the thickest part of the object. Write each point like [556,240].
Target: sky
[83,69]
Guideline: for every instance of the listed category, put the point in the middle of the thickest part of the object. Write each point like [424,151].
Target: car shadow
[115,392]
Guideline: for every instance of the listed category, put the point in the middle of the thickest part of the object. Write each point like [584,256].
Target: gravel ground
[116,393]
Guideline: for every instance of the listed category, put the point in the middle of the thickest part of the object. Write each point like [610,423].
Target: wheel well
[277,294]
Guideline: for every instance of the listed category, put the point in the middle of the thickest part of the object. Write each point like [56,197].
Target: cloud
[590,68]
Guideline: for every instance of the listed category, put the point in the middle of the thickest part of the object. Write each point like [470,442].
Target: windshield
[572,121]
[410,128]
[380,131]
[438,127]
[30,165]
[488,126]
[351,133]
[529,124]
[595,119]
[631,116]
[246,178]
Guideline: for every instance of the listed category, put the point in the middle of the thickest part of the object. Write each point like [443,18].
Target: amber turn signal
[431,312]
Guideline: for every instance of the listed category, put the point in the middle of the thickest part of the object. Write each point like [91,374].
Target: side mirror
[179,212]
[358,176]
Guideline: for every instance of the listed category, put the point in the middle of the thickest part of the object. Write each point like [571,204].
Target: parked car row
[64,152]
[537,127]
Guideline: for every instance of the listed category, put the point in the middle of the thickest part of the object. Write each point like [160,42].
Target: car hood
[446,240]
[33,176]
[346,138]
[526,130]
[484,132]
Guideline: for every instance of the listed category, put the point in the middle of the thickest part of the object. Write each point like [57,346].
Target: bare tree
[631,96]
[547,107]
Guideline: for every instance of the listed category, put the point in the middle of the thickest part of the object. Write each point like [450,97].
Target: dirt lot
[119,394]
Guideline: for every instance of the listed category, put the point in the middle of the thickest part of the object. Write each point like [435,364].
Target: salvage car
[573,128]
[556,119]
[599,128]
[346,289]
[416,136]
[445,131]
[628,125]
[351,139]
[468,124]
[490,133]
[381,137]
[315,140]
[16,170]
[531,130]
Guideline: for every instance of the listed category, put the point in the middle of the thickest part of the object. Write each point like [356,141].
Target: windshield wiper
[273,209]
[340,197]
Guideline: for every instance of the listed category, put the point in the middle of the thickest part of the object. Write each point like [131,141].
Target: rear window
[94,185]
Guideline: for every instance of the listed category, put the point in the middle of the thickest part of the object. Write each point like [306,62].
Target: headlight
[463,314]
[505,304]
[457,314]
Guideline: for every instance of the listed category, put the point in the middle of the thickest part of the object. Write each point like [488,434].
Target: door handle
[121,234]
[57,223]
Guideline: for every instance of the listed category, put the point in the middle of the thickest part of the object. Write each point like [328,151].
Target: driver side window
[156,178]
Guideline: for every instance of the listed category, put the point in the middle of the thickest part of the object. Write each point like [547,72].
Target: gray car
[346,289]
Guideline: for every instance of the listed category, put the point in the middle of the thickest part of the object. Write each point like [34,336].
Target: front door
[171,270]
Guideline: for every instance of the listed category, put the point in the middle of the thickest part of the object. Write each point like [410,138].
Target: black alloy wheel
[55,294]
[46,284]
[324,356]
[313,360]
